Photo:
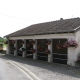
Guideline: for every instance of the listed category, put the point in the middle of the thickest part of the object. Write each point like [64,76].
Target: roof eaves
[55,32]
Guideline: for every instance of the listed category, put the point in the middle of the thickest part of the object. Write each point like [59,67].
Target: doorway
[41,47]
[29,46]
[59,53]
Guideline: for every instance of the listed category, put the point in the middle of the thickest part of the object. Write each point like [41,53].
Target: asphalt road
[11,72]
[42,69]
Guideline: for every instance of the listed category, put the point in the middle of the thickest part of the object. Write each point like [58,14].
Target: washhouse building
[55,41]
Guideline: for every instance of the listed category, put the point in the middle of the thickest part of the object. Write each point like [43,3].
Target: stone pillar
[35,47]
[71,56]
[50,58]
[15,46]
[24,52]
[7,47]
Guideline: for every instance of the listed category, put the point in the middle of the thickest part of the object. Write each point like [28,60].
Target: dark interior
[41,47]
[11,45]
[19,45]
[29,54]
[59,53]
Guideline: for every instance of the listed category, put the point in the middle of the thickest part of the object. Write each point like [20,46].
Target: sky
[18,14]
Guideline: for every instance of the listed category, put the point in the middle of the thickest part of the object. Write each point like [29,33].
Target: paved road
[11,72]
[44,70]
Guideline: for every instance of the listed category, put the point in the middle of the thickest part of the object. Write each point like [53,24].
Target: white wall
[72,53]
[77,38]
[72,56]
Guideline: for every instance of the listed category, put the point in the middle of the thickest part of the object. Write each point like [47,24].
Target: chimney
[61,18]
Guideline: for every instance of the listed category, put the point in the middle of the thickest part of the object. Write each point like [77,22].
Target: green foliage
[2,40]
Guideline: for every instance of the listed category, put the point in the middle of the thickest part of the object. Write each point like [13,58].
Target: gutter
[58,32]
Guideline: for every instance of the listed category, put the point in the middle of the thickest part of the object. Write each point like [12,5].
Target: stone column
[7,47]
[35,47]
[24,52]
[50,58]
[15,46]
[71,56]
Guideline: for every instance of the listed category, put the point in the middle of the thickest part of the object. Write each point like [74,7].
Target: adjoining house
[56,41]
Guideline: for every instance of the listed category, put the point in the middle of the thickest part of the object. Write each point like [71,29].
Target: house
[55,41]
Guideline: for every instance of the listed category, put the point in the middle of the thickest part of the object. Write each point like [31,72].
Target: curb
[32,75]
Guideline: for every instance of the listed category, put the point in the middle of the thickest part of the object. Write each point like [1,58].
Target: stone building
[55,41]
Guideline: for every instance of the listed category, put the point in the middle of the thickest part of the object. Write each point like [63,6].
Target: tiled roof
[63,25]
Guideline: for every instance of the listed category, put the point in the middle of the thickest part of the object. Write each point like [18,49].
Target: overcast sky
[17,14]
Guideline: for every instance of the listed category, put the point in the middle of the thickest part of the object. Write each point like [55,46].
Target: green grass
[2,40]
[4,45]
